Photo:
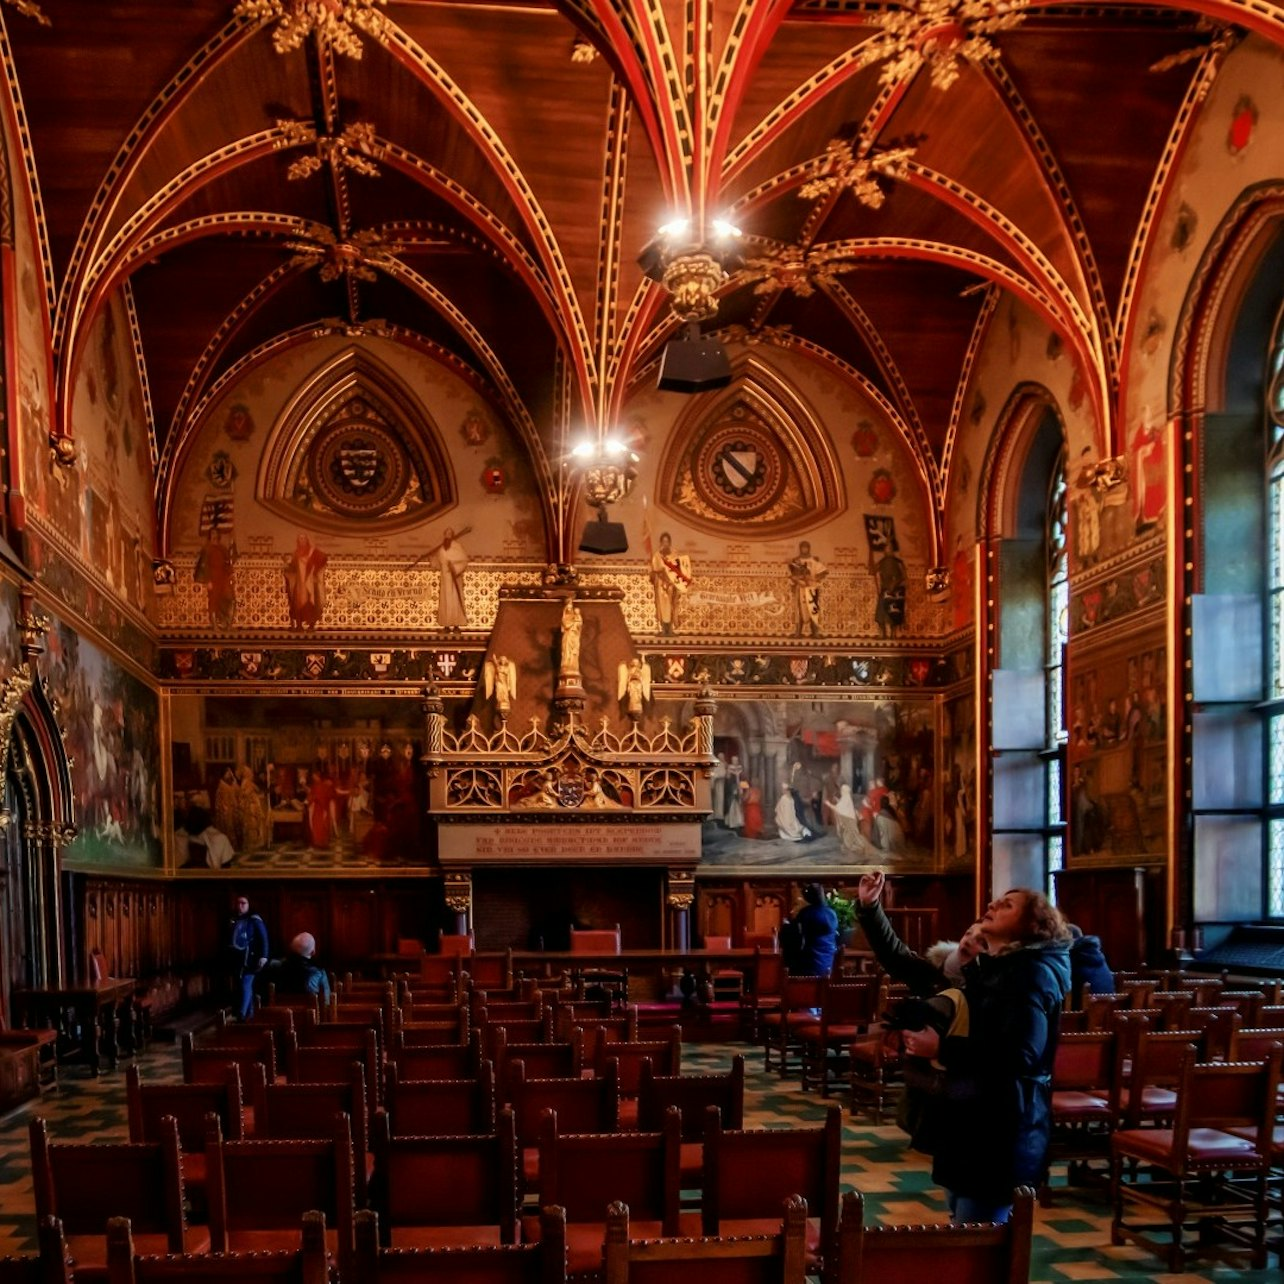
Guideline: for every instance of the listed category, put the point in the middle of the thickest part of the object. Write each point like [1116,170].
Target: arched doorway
[36,944]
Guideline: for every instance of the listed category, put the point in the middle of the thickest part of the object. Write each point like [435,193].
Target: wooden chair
[440,1107]
[51,1263]
[765,977]
[581,1105]
[738,1259]
[492,972]
[664,1056]
[451,1061]
[692,1095]
[1270,1016]
[540,1263]
[456,944]
[439,975]
[281,1021]
[1211,1167]
[439,1191]
[1150,1070]
[317,1064]
[306,1007]
[1216,1027]
[423,1025]
[611,982]
[874,1073]
[749,1173]
[260,1190]
[84,1184]
[973,1254]
[1248,1003]
[584,1172]
[307,1111]
[208,1063]
[726,984]
[1085,1101]
[305,1265]
[151,1105]
[551,1060]
[800,998]
[847,1009]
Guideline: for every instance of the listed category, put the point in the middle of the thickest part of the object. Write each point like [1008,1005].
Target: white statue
[635,686]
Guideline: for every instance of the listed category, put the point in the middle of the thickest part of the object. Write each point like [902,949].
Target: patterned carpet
[1072,1239]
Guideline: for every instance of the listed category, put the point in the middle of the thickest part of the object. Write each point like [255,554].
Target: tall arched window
[1057,633]
[1274,593]
[1028,765]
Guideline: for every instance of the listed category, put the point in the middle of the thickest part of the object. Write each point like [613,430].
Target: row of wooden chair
[886,1254]
[440,1190]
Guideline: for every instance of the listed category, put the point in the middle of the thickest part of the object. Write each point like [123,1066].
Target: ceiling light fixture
[607,471]
[692,263]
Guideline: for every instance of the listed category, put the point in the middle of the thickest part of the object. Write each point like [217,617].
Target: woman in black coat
[994,1119]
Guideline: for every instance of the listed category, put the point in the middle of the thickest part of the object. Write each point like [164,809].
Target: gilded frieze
[396,599]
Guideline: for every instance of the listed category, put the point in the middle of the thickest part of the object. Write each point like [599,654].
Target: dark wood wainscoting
[533,909]
[1124,907]
[732,907]
[147,929]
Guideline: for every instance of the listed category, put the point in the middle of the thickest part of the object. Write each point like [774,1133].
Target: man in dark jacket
[247,954]
[298,973]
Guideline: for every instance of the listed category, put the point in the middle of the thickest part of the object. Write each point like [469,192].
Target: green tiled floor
[1072,1240]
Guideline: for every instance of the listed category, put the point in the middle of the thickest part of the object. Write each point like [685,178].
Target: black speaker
[601,536]
[693,363]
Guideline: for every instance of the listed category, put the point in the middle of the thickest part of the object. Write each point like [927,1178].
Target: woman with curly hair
[994,1117]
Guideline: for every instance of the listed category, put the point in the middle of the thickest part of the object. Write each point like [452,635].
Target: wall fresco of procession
[823,785]
[311,784]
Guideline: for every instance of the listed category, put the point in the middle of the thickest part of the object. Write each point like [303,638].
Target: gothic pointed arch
[755,454]
[35,821]
[355,444]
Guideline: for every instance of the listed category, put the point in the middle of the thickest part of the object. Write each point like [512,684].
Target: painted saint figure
[805,575]
[670,577]
[572,627]
[214,569]
[305,583]
[889,614]
[451,562]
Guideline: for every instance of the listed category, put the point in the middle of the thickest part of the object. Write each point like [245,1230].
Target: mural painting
[9,656]
[1116,753]
[112,723]
[958,781]
[822,784]
[312,783]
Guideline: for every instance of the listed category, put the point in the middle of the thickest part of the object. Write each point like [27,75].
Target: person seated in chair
[297,973]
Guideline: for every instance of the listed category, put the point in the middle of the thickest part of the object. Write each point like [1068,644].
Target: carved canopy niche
[355,444]
[757,454]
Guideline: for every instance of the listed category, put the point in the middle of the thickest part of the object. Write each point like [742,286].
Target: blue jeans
[245,993]
[963,1208]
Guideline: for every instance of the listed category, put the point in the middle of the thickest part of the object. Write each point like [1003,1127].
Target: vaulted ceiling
[480,180]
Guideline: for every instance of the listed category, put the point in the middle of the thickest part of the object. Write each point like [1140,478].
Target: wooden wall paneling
[1111,904]
[720,912]
[355,923]
[770,906]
